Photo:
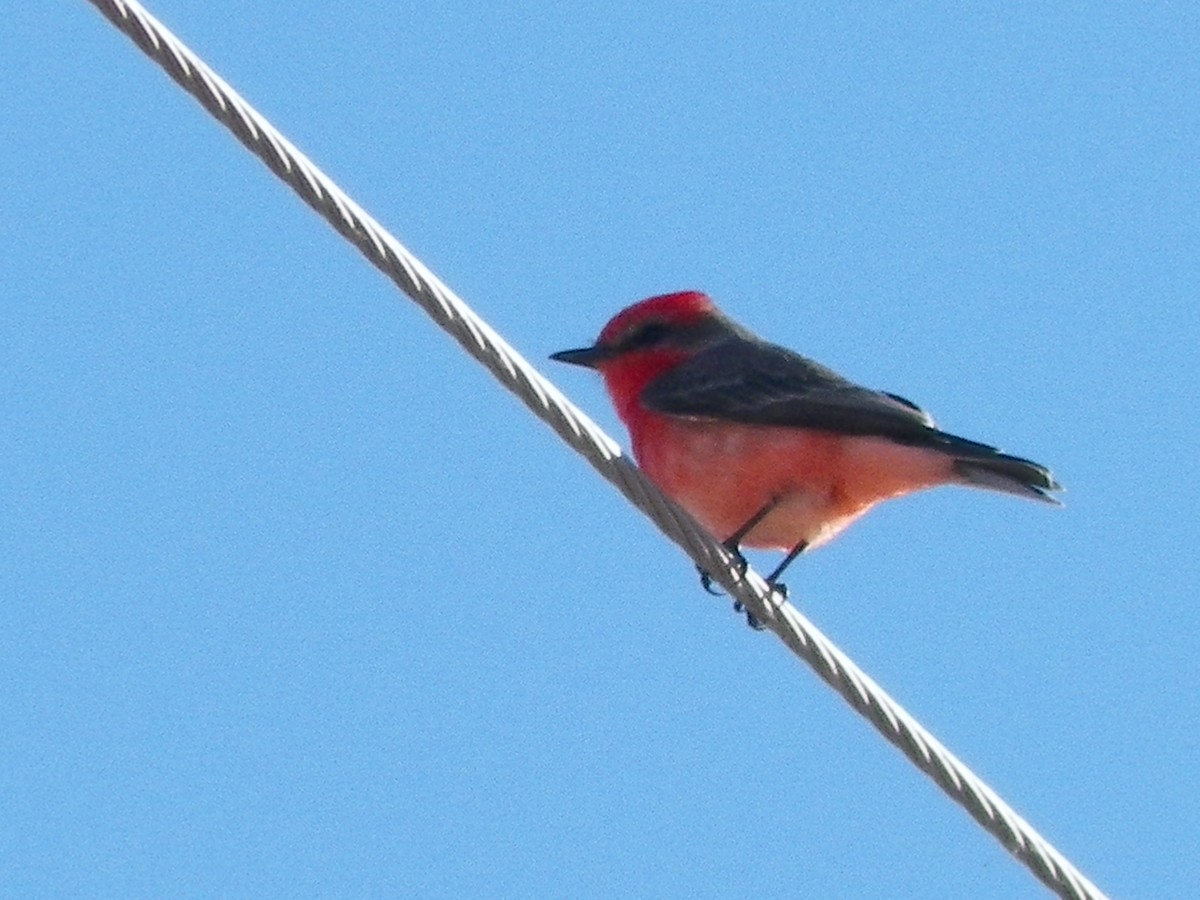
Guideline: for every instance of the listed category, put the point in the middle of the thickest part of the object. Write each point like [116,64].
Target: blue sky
[298,602]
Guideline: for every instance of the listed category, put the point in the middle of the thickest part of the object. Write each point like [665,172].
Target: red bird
[765,447]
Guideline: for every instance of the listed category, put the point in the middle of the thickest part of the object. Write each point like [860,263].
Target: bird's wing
[763,384]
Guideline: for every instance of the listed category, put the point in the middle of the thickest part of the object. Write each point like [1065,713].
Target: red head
[651,337]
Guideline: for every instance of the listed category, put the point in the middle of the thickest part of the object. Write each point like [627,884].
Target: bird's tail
[986,467]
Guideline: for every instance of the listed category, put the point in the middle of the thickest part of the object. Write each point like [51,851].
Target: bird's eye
[648,335]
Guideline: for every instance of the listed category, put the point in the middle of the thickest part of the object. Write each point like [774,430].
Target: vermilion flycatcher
[765,447]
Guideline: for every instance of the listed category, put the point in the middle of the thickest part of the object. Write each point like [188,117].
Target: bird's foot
[776,588]
[739,563]
[751,620]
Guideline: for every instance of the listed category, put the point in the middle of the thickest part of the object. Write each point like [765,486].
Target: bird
[767,448]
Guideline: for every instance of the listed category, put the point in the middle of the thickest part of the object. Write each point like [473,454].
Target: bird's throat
[626,377]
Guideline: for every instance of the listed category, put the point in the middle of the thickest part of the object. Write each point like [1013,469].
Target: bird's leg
[773,578]
[733,544]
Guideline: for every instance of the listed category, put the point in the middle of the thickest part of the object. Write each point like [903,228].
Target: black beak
[588,357]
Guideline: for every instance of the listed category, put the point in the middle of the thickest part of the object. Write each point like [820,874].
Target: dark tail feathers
[991,469]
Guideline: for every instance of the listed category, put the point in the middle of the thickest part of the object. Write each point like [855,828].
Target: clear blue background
[295,601]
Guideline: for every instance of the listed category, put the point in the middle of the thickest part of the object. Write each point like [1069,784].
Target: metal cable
[586,438]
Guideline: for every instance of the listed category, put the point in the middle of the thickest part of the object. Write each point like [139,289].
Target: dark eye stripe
[648,335]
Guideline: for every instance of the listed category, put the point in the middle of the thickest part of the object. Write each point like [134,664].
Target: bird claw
[739,564]
[777,587]
[751,619]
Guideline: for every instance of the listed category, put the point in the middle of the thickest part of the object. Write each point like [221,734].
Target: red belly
[723,473]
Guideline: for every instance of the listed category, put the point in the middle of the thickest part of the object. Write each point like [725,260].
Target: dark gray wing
[762,384]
